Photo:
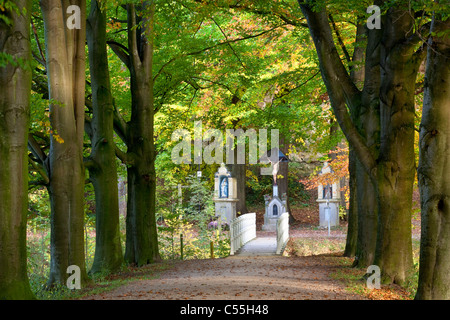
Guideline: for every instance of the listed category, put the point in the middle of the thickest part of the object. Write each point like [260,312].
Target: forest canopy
[91,93]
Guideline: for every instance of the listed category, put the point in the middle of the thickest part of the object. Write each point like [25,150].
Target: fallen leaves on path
[253,278]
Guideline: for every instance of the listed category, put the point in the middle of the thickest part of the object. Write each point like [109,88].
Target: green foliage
[258,186]
[7,7]
[200,203]
[7,59]
[342,212]
[38,241]
[7,10]
[38,208]
[231,64]
[193,222]
[174,227]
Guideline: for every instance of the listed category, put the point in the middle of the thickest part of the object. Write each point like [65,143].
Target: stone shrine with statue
[275,206]
[225,194]
[328,199]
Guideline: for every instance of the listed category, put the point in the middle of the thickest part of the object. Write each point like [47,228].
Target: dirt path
[242,278]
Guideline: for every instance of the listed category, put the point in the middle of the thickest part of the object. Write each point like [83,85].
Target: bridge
[244,242]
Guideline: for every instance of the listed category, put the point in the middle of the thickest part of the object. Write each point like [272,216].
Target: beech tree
[65,57]
[388,93]
[230,64]
[141,237]
[102,161]
[15,84]
[433,170]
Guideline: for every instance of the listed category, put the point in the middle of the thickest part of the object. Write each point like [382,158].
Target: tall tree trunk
[239,171]
[392,173]
[15,84]
[65,50]
[367,207]
[103,171]
[352,219]
[357,76]
[367,121]
[434,171]
[396,163]
[342,90]
[141,238]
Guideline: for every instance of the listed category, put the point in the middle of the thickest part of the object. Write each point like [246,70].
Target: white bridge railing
[242,230]
[282,232]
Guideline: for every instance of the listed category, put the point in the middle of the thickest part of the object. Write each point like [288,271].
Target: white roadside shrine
[225,194]
[328,199]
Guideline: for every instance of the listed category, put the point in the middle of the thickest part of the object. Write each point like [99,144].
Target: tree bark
[65,50]
[239,171]
[357,76]
[342,91]
[15,84]
[103,172]
[141,238]
[352,219]
[396,162]
[434,171]
[340,88]
[367,206]
[392,172]
[367,119]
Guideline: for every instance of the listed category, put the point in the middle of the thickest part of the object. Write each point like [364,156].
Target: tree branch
[213,82]
[229,45]
[121,155]
[339,37]
[41,52]
[36,183]
[340,88]
[120,126]
[288,91]
[212,47]
[36,150]
[329,58]
[121,51]
[39,168]
[132,35]
[89,163]
[281,16]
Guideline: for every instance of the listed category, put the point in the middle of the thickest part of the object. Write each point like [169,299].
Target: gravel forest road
[239,278]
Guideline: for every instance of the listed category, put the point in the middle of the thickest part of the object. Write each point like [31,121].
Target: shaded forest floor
[241,278]
[312,268]
[311,277]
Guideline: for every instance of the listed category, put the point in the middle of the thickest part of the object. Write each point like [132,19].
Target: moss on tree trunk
[141,239]
[15,84]
[103,170]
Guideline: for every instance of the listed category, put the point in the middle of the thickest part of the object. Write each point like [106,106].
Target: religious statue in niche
[327,192]
[223,187]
